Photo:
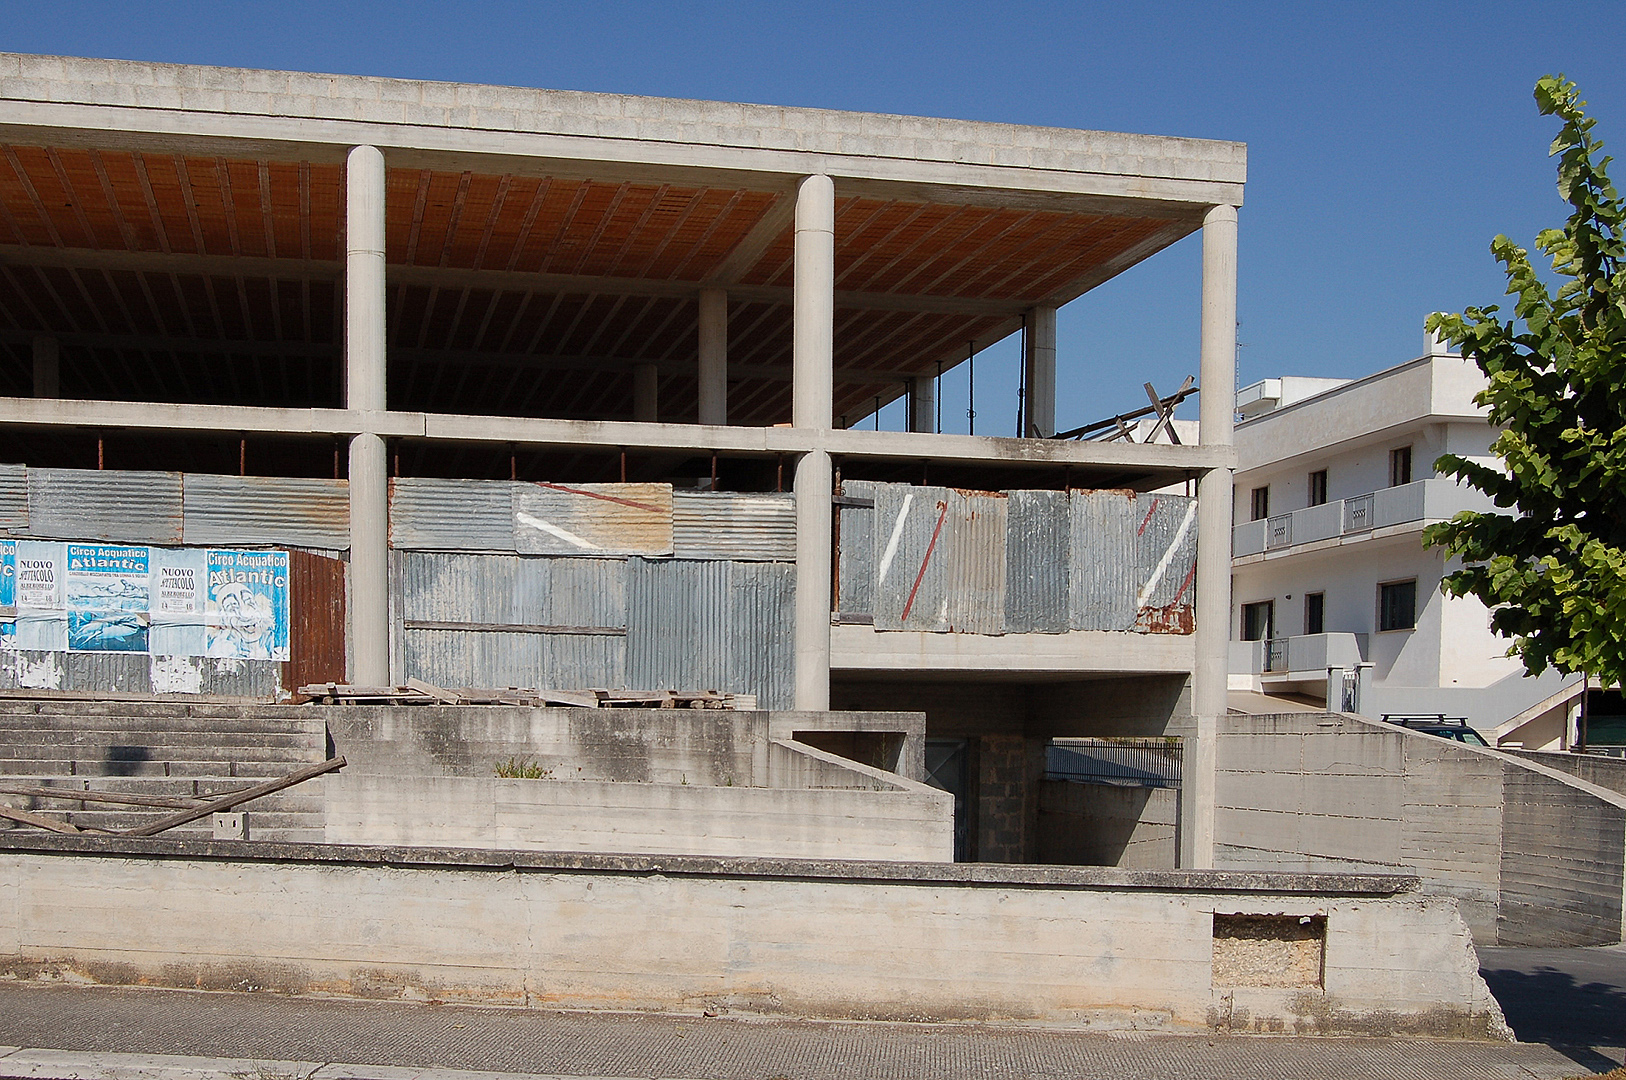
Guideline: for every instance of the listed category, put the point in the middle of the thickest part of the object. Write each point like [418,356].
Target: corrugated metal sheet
[13,498]
[123,672]
[761,638]
[678,616]
[1165,562]
[910,571]
[1104,561]
[511,590]
[452,515]
[1038,561]
[855,566]
[233,510]
[593,519]
[974,558]
[125,507]
[734,525]
[711,626]
[238,678]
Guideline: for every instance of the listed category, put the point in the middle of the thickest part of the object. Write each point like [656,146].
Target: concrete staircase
[175,750]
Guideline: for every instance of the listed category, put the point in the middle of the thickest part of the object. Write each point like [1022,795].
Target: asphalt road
[1569,998]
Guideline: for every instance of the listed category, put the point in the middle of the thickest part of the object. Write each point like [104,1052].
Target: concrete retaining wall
[1084,948]
[651,781]
[1606,772]
[1534,857]
[1134,828]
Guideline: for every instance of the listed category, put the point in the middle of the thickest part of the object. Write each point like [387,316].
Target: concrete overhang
[1076,654]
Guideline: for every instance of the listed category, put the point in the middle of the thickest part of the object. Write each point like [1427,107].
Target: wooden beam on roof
[233,266]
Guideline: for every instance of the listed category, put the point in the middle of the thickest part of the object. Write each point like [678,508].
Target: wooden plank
[445,697]
[117,798]
[39,821]
[236,798]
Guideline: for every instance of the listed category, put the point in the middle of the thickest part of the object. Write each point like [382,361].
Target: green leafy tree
[1553,569]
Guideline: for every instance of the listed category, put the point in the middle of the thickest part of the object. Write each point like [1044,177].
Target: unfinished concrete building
[519,388]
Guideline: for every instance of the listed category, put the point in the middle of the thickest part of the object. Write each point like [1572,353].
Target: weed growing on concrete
[522,769]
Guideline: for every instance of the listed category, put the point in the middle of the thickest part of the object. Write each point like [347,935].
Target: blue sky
[1388,142]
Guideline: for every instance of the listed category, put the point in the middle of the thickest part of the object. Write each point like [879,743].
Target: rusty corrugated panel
[593,519]
[1038,561]
[451,515]
[13,498]
[316,608]
[910,570]
[1104,561]
[974,553]
[125,507]
[1166,563]
[744,527]
[856,554]
[301,511]
[761,637]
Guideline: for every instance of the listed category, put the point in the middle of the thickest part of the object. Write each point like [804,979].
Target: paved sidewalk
[271,1037]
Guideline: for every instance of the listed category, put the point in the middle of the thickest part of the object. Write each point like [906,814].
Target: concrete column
[47,366]
[714,356]
[364,280]
[646,391]
[813,321]
[369,562]
[364,389]
[814,300]
[922,404]
[1040,402]
[1214,494]
[813,509]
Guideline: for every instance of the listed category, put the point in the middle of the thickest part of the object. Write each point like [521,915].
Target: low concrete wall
[1534,857]
[1084,948]
[1134,828]
[851,815]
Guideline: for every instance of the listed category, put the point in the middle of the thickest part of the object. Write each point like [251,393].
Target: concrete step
[70,767]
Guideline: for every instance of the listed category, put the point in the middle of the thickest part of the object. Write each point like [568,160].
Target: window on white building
[1399,466]
[1259,621]
[1397,605]
[1318,487]
[1315,613]
[1261,503]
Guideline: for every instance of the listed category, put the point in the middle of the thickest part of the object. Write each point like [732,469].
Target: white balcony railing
[1313,653]
[1421,500]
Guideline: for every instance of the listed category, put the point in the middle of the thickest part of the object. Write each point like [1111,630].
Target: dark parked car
[1446,727]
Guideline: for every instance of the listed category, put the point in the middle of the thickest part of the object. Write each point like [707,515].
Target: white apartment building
[1332,588]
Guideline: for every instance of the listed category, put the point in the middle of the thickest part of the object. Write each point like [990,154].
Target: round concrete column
[646,393]
[922,404]
[1208,683]
[713,357]
[364,280]
[364,390]
[47,366]
[812,631]
[814,300]
[1040,361]
[369,563]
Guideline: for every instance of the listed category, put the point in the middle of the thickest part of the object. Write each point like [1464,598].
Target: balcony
[1434,499]
[1303,655]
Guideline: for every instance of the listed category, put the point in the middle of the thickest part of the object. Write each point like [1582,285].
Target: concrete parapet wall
[1606,772]
[1533,856]
[1077,947]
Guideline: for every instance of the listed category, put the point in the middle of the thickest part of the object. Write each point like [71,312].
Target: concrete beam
[713,357]
[1173,461]
[863,648]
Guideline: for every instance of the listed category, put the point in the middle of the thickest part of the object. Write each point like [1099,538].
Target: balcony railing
[1300,653]
[1431,500]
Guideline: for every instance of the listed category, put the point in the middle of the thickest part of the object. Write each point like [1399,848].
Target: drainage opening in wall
[1269,950]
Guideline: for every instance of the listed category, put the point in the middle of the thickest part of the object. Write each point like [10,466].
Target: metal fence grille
[1151,763]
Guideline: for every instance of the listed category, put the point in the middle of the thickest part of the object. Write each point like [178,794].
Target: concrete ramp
[1532,854]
